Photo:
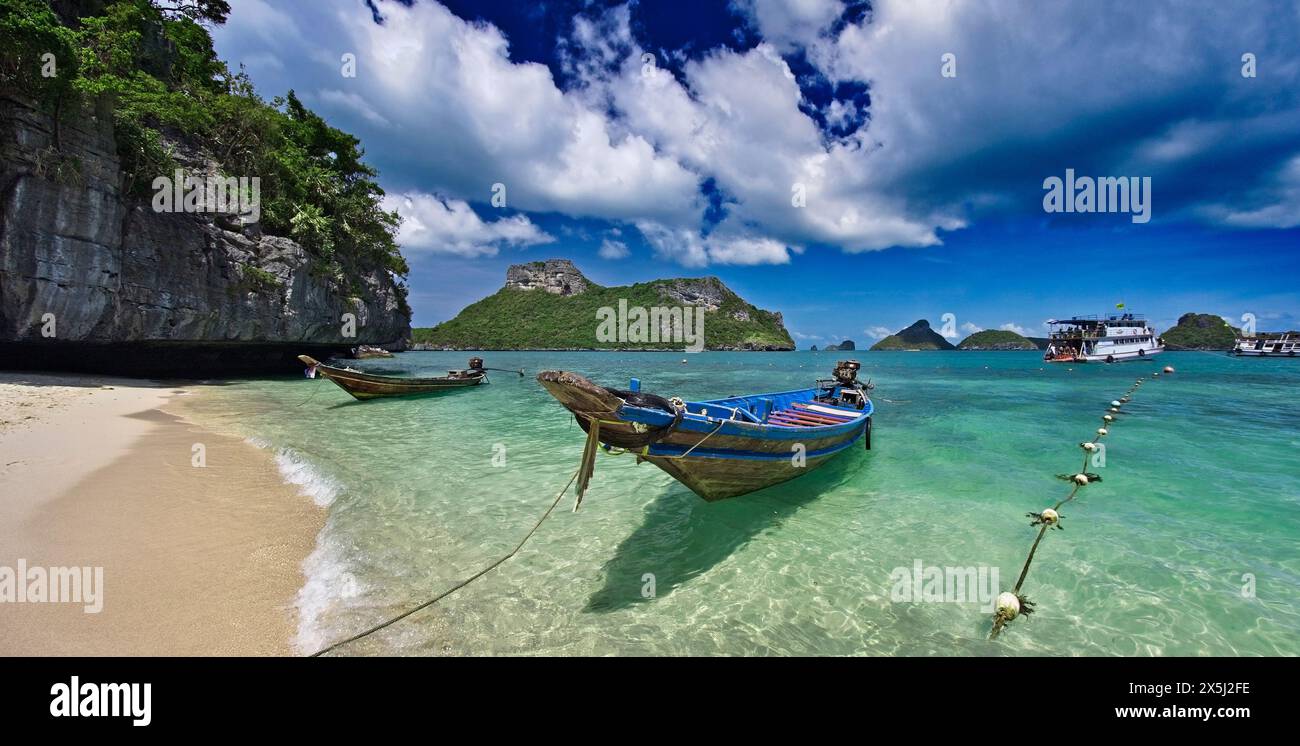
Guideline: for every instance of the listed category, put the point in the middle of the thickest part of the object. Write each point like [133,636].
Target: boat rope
[309,398]
[458,586]
[1013,603]
[646,450]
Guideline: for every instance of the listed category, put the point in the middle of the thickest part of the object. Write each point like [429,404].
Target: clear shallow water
[1201,486]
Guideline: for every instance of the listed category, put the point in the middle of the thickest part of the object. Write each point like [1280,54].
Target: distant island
[551,305]
[1200,331]
[918,336]
[845,346]
[996,339]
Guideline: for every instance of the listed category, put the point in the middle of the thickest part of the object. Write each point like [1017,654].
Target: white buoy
[1102,431]
[1008,606]
[1089,447]
[1169,369]
[1108,418]
[1080,479]
[1116,403]
[1050,516]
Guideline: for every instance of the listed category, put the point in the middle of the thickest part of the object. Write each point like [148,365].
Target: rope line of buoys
[1011,604]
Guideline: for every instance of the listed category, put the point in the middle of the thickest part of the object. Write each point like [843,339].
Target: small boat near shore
[721,448]
[1110,339]
[1267,345]
[366,352]
[365,386]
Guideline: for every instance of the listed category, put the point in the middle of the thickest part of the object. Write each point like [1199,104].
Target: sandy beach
[98,472]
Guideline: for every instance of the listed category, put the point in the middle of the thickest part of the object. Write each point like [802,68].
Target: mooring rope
[1011,604]
[459,585]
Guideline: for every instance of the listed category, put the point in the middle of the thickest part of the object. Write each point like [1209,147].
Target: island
[918,336]
[1200,331]
[551,305]
[996,339]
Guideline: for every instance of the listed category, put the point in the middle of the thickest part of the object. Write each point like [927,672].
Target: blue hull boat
[722,447]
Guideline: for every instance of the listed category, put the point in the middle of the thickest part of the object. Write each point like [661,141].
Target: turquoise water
[1200,494]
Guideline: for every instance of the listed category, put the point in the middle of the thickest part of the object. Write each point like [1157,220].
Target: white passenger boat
[1268,345]
[1107,339]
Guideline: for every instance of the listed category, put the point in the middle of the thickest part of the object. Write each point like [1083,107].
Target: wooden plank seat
[826,410]
[800,418]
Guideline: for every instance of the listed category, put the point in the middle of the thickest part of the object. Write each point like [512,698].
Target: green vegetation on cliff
[1200,331]
[515,319]
[996,339]
[151,64]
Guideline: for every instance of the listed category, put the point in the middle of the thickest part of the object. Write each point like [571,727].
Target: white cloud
[877,332]
[442,107]
[685,246]
[611,249]
[791,23]
[468,116]
[970,328]
[738,119]
[1010,327]
[354,102]
[447,226]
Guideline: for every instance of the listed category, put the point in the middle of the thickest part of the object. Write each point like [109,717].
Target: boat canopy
[1128,319]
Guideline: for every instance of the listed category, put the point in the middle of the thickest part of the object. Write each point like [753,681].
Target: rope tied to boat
[1013,603]
[426,604]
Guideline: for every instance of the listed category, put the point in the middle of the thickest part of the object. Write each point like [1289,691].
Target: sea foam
[328,583]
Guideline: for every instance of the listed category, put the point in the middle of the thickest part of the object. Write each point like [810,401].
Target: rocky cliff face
[707,292]
[92,281]
[555,276]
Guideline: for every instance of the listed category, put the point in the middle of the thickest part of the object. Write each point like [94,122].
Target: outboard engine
[846,372]
[844,389]
[476,363]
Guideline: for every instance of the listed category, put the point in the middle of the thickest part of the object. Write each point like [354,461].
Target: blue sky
[655,139]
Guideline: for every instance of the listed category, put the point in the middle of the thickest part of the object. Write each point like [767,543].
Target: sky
[855,165]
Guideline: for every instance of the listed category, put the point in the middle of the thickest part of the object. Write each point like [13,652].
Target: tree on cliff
[215,11]
[152,64]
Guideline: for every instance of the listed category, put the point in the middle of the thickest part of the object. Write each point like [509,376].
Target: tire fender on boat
[866,434]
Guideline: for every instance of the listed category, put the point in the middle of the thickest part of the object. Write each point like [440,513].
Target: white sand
[93,472]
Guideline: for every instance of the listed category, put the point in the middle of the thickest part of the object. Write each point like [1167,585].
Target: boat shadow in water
[683,536]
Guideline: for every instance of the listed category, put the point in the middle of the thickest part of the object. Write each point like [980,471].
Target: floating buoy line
[1013,603]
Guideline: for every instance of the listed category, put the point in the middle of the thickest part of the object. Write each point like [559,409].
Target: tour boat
[1267,345]
[1108,339]
[721,447]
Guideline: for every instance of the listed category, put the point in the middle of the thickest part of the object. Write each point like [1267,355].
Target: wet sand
[197,560]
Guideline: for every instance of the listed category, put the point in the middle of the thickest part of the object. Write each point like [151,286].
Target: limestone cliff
[123,288]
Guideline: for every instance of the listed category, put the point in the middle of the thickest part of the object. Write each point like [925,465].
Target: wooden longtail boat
[365,386]
[722,447]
